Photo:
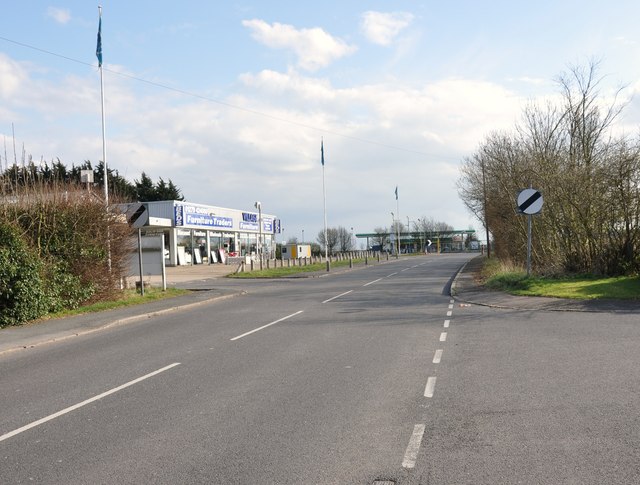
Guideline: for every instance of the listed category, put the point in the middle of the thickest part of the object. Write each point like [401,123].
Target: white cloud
[382,28]
[223,156]
[314,48]
[12,76]
[60,15]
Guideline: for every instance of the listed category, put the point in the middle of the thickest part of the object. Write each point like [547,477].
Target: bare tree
[332,240]
[381,237]
[345,239]
[589,180]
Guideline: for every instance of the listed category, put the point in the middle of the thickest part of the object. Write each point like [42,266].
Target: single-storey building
[198,233]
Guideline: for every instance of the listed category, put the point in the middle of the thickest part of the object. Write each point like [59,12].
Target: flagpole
[104,138]
[324,200]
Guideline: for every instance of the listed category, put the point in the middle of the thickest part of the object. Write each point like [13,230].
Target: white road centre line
[431,387]
[84,403]
[452,301]
[337,296]
[449,313]
[411,455]
[267,325]
[437,357]
[372,282]
[443,337]
[450,307]
[446,323]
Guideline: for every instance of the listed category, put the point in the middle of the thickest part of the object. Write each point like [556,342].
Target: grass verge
[514,280]
[129,298]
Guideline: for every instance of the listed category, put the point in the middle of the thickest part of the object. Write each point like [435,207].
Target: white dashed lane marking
[411,455]
[372,282]
[437,357]
[446,323]
[443,337]
[430,388]
[337,296]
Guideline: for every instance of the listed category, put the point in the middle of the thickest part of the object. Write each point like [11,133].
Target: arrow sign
[530,201]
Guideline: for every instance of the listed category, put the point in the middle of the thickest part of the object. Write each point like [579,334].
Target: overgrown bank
[59,248]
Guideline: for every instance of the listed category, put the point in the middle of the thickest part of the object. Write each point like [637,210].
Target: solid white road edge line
[411,455]
[392,274]
[372,282]
[84,403]
[337,296]
[430,388]
[267,325]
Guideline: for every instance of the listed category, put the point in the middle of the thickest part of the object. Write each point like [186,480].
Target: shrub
[22,292]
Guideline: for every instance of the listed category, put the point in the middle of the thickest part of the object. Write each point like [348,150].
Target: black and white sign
[137,215]
[530,201]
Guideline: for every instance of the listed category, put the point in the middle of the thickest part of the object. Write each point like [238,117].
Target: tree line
[17,178]
[588,174]
[340,239]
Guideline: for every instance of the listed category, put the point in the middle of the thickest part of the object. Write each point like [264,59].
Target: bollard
[366,260]
[252,265]
[350,262]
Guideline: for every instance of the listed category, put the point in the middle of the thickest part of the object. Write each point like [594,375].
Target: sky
[230,99]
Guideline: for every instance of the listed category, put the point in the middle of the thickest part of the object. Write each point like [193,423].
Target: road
[374,376]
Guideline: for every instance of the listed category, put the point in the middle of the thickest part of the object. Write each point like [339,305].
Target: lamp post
[303,236]
[391,231]
[258,206]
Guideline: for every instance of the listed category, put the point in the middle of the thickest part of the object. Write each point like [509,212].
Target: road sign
[137,215]
[530,201]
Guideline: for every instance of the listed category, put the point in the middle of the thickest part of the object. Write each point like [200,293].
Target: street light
[393,221]
[258,206]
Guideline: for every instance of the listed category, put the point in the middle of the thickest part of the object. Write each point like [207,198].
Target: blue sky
[400,91]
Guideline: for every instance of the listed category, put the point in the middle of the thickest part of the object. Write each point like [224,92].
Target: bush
[22,290]
[65,290]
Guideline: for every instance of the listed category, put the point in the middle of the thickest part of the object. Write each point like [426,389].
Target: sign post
[138,216]
[529,202]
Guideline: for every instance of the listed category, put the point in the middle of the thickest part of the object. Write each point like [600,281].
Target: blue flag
[99,46]
[322,152]
[396,192]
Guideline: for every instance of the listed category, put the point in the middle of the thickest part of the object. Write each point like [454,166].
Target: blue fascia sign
[249,226]
[189,215]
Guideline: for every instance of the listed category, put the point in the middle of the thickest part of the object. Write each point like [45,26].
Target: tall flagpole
[324,200]
[104,138]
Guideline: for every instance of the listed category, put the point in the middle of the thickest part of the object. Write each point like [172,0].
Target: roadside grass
[129,298]
[292,271]
[514,280]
